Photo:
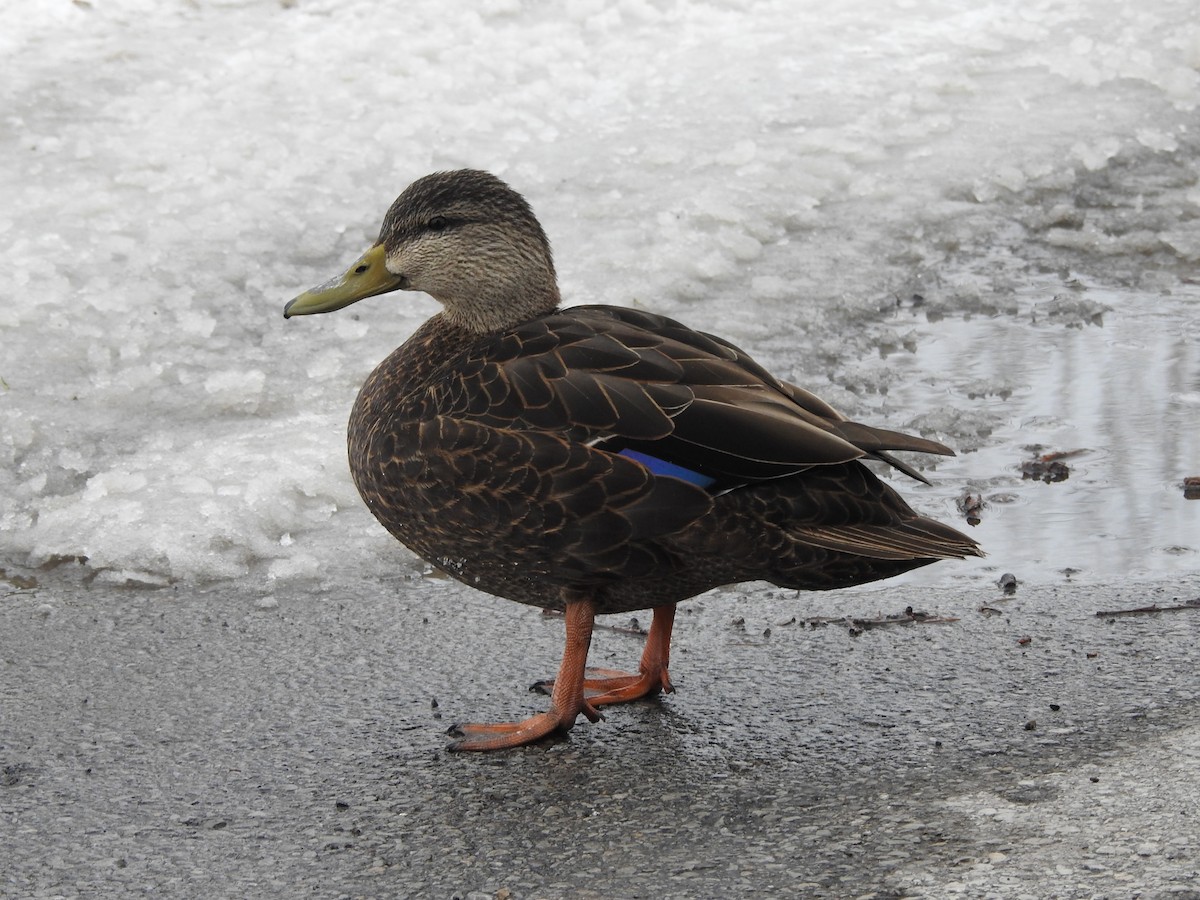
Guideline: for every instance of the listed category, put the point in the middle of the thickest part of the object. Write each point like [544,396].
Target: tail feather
[901,465]
[919,538]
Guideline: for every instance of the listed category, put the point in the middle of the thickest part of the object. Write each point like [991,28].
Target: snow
[779,172]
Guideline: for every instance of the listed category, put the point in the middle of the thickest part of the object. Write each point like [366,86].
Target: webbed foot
[604,687]
[503,735]
[567,700]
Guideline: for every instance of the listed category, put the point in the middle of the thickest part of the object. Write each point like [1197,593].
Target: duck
[596,459]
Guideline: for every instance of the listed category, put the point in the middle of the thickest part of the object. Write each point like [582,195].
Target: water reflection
[1126,391]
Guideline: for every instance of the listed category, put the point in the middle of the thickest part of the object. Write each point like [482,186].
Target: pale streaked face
[466,239]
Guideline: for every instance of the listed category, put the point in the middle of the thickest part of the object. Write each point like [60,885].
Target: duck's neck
[500,304]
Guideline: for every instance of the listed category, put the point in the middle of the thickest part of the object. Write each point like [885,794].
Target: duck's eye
[437,223]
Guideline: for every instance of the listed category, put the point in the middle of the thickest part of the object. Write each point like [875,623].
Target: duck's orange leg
[566,702]
[604,687]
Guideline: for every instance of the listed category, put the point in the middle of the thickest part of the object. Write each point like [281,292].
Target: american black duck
[597,459]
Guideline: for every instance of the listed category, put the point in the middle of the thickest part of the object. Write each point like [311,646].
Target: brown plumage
[527,450]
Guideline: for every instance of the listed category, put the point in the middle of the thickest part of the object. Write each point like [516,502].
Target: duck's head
[465,238]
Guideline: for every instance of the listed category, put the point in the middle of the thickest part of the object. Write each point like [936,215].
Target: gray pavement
[217,743]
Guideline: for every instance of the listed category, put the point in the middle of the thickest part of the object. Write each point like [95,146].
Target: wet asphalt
[221,743]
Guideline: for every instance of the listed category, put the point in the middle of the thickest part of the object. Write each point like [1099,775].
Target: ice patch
[236,390]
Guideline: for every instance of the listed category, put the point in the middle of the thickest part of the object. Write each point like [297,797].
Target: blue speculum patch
[662,467]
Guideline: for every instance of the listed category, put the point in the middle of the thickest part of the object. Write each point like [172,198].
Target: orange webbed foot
[604,687]
[566,702]
[622,687]
[504,735]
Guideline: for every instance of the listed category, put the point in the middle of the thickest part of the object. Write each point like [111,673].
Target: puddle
[1124,391]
